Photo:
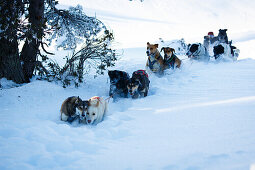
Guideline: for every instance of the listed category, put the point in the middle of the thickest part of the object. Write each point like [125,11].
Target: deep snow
[198,117]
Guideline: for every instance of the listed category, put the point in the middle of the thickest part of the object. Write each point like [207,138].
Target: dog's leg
[125,93]
[178,62]
[71,119]
[63,117]
[112,89]
[135,96]
[146,92]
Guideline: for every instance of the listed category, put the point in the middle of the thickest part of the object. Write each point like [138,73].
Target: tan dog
[155,61]
[170,59]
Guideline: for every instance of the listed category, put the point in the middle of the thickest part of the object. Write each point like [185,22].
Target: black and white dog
[198,51]
[225,52]
[118,83]
[138,85]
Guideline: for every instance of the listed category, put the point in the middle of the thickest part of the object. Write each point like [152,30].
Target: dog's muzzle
[190,55]
[148,53]
[82,116]
[131,93]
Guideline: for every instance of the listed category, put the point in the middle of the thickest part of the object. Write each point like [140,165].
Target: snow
[198,117]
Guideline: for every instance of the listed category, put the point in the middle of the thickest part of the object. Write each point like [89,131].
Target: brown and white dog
[72,108]
[155,61]
[96,110]
[170,59]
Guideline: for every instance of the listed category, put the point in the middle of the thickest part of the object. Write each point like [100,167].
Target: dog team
[223,50]
[93,110]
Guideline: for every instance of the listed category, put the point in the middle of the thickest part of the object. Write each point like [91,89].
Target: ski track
[198,117]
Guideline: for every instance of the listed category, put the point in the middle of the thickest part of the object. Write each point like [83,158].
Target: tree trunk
[31,47]
[10,64]
[28,56]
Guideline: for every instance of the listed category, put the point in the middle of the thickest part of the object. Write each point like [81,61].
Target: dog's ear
[97,103]
[156,45]
[86,102]
[77,101]
[163,48]
[94,101]
[172,49]
[225,30]
[148,43]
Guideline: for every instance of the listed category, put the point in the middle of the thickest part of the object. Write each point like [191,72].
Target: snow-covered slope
[198,117]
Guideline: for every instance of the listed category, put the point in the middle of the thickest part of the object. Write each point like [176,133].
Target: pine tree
[37,23]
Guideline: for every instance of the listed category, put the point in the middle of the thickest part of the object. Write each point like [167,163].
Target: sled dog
[225,52]
[138,85]
[72,108]
[155,61]
[197,51]
[96,110]
[222,36]
[118,83]
[170,59]
[210,40]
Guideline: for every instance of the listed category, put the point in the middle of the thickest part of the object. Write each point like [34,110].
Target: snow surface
[199,117]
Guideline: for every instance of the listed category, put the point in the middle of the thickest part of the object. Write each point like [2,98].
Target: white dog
[96,110]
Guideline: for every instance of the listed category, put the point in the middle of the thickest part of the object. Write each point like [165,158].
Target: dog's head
[222,36]
[206,38]
[92,112]
[218,50]
[82,108]
[92,115]
[168,52]
[222,32]
[151,48]
[116,75]
[192,49]
[132,86]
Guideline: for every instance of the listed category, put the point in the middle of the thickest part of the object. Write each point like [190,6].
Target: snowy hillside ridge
[198,117]
[136,24]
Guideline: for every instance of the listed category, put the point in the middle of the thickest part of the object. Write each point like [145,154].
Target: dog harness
[95,97]
[141,72]
[170,61]
[152,61]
